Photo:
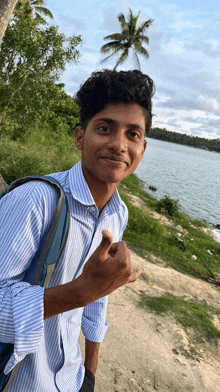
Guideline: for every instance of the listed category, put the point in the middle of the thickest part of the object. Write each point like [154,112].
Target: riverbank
[183,243]
[164,329]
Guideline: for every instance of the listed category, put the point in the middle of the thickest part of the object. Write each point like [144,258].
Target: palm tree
[34,8]
[130,37]
[6,9]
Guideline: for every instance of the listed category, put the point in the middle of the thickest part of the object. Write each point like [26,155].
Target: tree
[34,9]
[7,7]
[32,58]
[6,10]
[131,36]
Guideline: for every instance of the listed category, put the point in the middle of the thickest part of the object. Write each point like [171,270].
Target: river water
[189,174]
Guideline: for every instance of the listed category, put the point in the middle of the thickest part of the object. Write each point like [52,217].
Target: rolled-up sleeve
[21,320]
[94,325]
[21,304]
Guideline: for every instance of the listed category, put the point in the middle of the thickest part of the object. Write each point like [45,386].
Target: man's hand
[108,268]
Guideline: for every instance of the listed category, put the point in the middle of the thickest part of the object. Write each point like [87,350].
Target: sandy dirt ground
[143,351]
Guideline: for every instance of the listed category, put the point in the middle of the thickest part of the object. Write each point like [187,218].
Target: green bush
[168,206]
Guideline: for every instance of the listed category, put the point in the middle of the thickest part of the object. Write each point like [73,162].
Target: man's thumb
[106,243]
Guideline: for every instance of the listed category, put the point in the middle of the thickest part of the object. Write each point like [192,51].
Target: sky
[184,55]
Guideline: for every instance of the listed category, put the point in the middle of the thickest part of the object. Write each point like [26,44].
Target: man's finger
[106,243]
[134,276]
[118,247]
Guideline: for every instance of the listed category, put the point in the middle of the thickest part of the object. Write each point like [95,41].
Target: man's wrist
[91,356]
[65,297]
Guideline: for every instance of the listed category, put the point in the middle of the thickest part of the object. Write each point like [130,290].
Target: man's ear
[144,146]
[79,138]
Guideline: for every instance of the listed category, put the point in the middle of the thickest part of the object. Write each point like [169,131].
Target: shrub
[168,206]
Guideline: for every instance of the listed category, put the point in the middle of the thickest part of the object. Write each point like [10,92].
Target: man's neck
[101,191]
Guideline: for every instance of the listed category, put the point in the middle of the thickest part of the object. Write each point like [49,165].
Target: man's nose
[118,142]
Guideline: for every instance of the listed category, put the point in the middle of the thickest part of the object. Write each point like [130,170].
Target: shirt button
[92,209]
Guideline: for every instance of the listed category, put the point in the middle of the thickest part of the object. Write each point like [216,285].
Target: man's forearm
[91,356]
[65,297]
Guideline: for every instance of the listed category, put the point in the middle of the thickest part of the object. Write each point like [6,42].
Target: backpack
[50,254]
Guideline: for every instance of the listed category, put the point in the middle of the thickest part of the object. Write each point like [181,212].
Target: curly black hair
[107,86]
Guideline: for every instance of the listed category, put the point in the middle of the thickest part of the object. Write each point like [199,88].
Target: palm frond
[111,46]
[143,51]
[39,19]
[123,22]
[141,38]
[106,58]
[44,11]
[122,58]
[37,2]
[116,36]
[145,25]
[132,20]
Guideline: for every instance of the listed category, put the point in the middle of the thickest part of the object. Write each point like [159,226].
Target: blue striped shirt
[48,349]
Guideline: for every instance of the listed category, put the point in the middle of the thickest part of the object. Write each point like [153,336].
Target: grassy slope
[145,235]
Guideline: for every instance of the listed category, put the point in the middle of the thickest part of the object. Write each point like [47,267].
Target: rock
[179,228]
[3,184]
[152,188]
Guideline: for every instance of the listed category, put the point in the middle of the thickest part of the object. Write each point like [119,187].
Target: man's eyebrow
[112,121]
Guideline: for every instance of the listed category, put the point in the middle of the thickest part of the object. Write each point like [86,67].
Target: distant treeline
[194,141]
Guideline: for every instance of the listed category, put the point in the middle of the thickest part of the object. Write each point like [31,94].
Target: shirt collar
[80,190]
[78,185]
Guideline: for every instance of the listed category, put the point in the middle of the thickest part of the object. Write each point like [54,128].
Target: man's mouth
[115,159]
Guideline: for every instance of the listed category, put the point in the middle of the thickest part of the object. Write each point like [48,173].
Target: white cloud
[71,26]
[185,101]
[183,24]
[174,48]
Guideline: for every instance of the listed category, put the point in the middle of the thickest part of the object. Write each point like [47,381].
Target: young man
[44,324]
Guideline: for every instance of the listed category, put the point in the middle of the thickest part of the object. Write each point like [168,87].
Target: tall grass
[39,153]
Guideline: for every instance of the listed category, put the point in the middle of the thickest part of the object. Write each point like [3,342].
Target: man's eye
[104,128]
[134,134]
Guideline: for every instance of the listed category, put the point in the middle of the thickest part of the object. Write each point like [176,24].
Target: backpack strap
[56,239]
[58,233]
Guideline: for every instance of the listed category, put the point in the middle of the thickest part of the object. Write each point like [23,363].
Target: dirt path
[143,351]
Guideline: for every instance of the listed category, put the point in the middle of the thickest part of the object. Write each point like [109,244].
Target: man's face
[113,143]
